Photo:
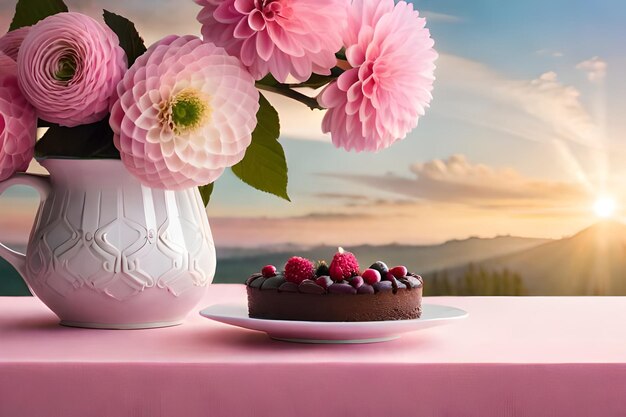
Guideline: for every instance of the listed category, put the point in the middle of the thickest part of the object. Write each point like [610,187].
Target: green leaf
[268,80]
[86,141]
[29,12]
[317,81]
[264,166]
[129,38]
[205,193]
[44,123]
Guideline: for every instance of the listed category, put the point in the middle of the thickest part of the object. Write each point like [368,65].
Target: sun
[604,207]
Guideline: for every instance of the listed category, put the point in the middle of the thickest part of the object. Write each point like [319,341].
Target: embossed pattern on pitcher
[115,254]
[108,252]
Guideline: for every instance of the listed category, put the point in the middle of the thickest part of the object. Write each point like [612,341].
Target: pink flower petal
[285,30]
[381,99]
[99,64]
[18,122]
[11,42]
[156,150]
[264,46]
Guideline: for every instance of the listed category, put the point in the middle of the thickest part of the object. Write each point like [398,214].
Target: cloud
[342,196]
[549,52]
[456,180]
[418,223]
[541,109]
[440,17]
[173,17]
[440,200]
[297,121]
[595,68]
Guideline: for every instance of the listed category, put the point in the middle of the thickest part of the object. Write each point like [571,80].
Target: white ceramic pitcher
[108,252]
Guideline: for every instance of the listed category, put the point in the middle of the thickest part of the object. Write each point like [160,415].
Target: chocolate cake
[302,292]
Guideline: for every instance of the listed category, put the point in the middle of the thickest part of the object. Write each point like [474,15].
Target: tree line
[475,281]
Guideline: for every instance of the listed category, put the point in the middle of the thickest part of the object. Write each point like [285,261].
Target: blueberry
[381,267]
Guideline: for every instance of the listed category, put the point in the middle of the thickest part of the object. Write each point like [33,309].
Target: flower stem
[283,90]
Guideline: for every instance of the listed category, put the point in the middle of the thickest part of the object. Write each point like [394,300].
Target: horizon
[522,139]
[597,223]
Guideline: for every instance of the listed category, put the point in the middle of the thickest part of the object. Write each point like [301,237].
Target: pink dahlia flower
[18,122]
[381,97]
[68,67]
[186,110]
[10,43]
[281,37]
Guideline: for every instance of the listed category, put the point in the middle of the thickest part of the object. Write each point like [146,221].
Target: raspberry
[298,269]
[343,266]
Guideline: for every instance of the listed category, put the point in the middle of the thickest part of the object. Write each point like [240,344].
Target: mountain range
[421,259]
[591,262]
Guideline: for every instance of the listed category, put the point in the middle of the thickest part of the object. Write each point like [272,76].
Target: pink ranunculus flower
[68,68]
[380,98]
[186,110]
[11,41]
[282,37]
[18,122]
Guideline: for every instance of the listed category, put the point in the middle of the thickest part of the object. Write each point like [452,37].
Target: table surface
[573,352]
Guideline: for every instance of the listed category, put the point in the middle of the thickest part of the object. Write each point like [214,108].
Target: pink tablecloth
[512,357]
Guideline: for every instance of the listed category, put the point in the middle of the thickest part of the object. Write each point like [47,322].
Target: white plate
[333,332]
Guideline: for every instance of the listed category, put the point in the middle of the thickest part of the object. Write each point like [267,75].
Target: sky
[523,136]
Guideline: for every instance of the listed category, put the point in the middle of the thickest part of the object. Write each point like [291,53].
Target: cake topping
[380,267]
[273,283]
[365,289]
[257,282]
[324,281]
[268,271]
[383,286]
[252,278]
[399,271]
[414,281]
[343,266]
[298,269]
[341,277]
[356,281]
[321,269]
[371,276]
[288,287]
[341,288]
[310,287]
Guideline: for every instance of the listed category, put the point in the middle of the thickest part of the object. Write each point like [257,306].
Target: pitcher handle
[41,183]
